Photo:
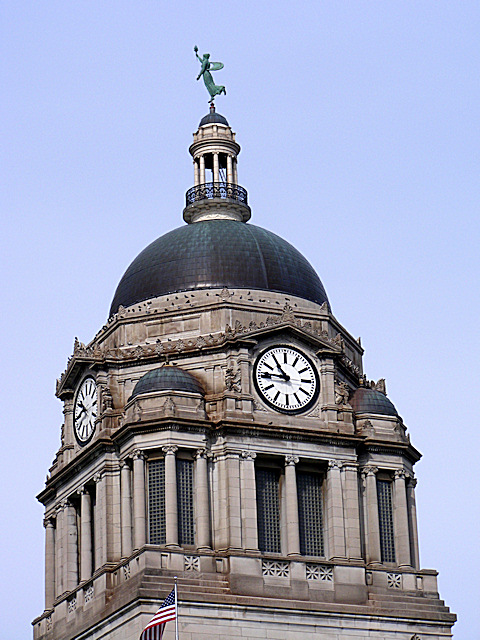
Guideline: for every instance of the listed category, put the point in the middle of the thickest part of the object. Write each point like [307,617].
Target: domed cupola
[167,378]
[216,248]
[366,399]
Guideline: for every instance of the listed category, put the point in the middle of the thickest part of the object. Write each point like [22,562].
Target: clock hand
[279,367]
[283,376]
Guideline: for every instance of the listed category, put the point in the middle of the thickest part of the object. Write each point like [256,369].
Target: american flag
[168,611]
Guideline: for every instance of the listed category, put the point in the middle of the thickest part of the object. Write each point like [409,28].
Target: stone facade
[111,552]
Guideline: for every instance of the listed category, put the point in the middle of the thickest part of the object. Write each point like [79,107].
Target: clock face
[286,379]
[85,410]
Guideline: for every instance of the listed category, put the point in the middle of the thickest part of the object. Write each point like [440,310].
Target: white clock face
[286,379]
[85,410]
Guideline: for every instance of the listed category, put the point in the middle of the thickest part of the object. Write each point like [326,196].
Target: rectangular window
[186,521]
[156,501]
[385,518]
[268,510]
[310,513]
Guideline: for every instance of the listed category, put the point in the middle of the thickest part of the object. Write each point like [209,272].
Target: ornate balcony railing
[210,190]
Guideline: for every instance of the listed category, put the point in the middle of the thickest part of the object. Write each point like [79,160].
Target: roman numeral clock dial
[85,411]
[286,379]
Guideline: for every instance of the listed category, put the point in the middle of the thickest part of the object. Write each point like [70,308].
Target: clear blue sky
[360,145]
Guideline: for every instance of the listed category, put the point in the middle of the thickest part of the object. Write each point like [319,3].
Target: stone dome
[167,378]
[367,400]
[216,254]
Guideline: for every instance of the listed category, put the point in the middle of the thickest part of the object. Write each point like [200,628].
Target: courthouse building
[219,428]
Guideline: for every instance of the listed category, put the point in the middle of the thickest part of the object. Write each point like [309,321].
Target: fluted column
[291,503]
[335,519]
[171,506]
[85,534]
[249,501]
[126,508]
[49,563]
[202,514]
[400,514]
[352,510]
[100,520]
[229,169]
[216,172]
[139,524]
[59,544]
[412,509]
[233,500]
[371,510]
[71,565]
[202,170]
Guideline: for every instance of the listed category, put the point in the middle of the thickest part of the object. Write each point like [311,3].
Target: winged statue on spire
[205,71]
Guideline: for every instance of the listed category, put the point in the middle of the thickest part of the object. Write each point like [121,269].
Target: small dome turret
[367,400]
[167,378]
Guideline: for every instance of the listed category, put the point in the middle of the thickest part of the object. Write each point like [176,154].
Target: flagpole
[176,610]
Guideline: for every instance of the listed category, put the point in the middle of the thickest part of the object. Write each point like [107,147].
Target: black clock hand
[278,365]
[283,376]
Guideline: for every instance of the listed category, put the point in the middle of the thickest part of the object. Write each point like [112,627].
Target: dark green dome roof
[167,378]
[216,254]
[213,118]
[366,400]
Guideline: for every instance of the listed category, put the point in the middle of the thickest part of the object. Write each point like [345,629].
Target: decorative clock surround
[286,379]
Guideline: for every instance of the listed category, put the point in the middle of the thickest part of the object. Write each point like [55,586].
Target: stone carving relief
[107,400]
[169,407]
[342,393]
[394,580]
[233,379]
[319,572]
[275,568]
[191,563]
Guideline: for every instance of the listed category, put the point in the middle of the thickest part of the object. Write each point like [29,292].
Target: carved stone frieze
[342,393]
[233,379]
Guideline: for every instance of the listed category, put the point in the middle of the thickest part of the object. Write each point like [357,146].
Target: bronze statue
[205,71]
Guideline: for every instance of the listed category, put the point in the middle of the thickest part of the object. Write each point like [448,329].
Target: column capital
[138,454]
[412,482]
[201,453]
[335,464]
[47,522]
[291,460]
[98,477]
[369,470]
[170,449]
[249,455]
[400,474]
[82,490]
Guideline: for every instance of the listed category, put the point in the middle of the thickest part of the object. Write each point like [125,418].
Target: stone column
[100,520]
[71,564]
[233,500]
[202,170]
[291,504]
[351,510]
[229,169]
[372,527]
[202,513]
[139,524]
[249,501]
[171,515]
[49,563]
[59,550]
[85,534]
[235,172]
[412,509]
[216,172]
[196,169]
[400,515]
[126,499]
[335,520]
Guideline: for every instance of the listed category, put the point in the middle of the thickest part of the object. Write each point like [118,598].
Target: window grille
[156,501]
[186,522]
[268,510]
[385,517]
[310,514]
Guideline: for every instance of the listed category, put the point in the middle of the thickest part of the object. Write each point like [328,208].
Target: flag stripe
[156,626]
